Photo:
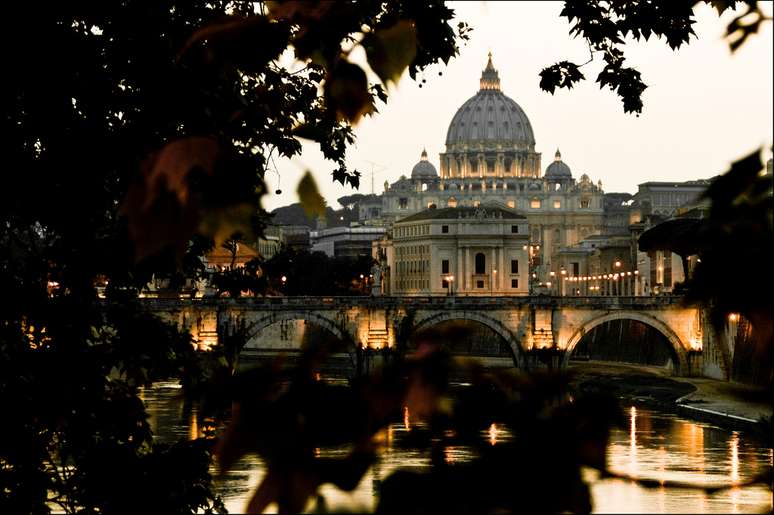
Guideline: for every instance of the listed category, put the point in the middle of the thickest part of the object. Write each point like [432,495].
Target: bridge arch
[491,323]
[678,347]
[255,326]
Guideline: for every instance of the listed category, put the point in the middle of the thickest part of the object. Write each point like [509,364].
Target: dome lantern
[490,79]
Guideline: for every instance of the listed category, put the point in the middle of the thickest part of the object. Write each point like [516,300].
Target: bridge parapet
[458,302]
[527,324]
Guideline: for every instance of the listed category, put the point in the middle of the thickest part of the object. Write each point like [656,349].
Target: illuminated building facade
[460,251]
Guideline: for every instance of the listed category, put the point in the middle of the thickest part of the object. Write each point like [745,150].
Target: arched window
[480,263]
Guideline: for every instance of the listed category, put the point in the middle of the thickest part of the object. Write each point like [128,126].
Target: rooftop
[454,213]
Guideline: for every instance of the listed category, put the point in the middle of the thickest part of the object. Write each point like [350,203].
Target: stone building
[490,160]
[664,198]
[345,241]
[459,251]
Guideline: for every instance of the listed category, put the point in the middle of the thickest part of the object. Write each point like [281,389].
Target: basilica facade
[490,161]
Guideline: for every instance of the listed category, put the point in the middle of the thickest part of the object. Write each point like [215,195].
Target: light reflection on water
[655,445]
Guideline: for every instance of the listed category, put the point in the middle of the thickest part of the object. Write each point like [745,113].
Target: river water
[656,445]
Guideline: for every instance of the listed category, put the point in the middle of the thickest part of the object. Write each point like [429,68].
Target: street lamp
[494,279]
[449,281]
[552,274]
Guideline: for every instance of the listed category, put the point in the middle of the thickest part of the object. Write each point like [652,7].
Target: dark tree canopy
[136,136]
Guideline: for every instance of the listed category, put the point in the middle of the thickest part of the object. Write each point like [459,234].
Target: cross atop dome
[490,80]
[558,155]
[423,157]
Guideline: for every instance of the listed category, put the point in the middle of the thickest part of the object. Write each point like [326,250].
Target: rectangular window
[479,284]
[557,204]
[514,266]
[444,283]
[514,229]
[514,283]
[403,203]
[445,229]
[584,204]
[445,266]
[576,269]
[534,204]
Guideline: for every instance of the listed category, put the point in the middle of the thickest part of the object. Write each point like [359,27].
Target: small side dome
[558,169]
[424,169]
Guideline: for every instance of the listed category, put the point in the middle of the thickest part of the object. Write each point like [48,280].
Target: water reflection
[632,440]
[493,434]
[655,445]
[665,447]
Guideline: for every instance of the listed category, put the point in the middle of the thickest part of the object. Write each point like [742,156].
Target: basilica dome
[490,117]
[558,169]
[424,169]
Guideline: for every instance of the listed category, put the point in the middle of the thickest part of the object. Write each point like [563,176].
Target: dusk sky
[703,108]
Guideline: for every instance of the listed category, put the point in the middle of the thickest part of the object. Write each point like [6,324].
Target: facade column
[492,268]
[501,268]
[458,273]
[467,269]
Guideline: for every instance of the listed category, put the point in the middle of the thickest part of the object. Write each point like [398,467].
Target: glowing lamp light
[733,317]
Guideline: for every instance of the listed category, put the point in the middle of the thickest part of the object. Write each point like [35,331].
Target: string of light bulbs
[602,277]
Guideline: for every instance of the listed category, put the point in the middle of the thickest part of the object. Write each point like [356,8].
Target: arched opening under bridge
[633,339]
[291,335]
[471,335]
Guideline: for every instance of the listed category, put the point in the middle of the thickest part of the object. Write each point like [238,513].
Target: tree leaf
[391,50]
[157,205]
[563,74]
[173,163]
[311,200]
[346,91]
[294,9]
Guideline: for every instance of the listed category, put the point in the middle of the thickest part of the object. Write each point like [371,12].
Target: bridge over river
[532,327]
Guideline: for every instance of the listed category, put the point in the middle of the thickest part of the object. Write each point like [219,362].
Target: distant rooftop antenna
[373,172]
